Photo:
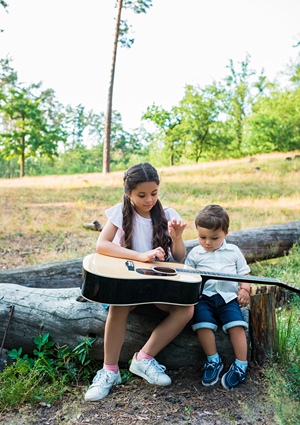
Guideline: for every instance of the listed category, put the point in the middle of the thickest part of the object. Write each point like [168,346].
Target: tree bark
[262,243]
[263,326]
[107,135]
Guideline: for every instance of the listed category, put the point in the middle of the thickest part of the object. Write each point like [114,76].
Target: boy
[221,300]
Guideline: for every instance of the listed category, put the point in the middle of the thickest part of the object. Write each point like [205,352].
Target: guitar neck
[240,278]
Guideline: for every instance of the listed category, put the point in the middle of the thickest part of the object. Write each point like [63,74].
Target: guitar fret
[234,277]
[229,276]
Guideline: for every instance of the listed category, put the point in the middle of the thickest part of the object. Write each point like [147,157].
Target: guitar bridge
[130,265]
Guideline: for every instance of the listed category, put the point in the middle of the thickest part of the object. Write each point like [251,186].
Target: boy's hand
[243,297]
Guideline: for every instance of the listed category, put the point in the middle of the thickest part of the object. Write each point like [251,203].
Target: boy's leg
[239,342]
[214,365]
[207,340]
[205,323]
[235,325]
[237,372]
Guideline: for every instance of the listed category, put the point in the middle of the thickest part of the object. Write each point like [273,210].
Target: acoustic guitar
[117,281]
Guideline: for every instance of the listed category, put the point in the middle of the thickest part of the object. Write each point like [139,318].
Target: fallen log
[57,311]
[257,244]
[262,243]
[46,296]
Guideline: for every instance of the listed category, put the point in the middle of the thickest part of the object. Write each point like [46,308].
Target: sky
[67,44]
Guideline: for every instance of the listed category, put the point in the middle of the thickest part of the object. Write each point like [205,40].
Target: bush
[47,375]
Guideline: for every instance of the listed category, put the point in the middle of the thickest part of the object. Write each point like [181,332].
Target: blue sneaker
[212,372]
[233,377]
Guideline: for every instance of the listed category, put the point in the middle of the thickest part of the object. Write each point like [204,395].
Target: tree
[121,31]
[167,123]
[274,124]
[76,121]
[30,124]
[241,93]
[5,5]
[200,111]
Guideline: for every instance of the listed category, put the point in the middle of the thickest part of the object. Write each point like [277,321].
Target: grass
[283,373]
[46,214]
[42,221]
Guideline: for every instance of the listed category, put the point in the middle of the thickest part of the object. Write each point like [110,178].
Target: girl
[140,229]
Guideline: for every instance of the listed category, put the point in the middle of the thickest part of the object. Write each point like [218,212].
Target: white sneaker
[102,383]
[150,370]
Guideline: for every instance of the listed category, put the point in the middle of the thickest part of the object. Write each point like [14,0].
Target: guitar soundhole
[165,270]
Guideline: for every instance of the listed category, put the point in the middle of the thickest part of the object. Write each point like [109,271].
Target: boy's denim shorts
[212,312]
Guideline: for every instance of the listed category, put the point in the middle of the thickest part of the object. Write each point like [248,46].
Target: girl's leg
[169,328]
[114,334]
[239,342]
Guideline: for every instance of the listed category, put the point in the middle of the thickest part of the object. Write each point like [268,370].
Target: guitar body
[117,281]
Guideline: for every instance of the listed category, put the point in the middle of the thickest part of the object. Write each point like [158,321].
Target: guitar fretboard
[249,279]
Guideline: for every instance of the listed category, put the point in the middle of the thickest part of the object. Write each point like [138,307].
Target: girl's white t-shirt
[142,227]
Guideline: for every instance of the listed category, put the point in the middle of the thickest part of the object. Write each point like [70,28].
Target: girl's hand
[176,228]
[154,254]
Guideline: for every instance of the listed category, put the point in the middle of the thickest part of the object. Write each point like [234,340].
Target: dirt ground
[186,401]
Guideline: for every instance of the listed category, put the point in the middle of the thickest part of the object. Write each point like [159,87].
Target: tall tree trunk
[22,166]
[106,147]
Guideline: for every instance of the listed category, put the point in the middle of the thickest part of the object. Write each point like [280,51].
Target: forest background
[242,114]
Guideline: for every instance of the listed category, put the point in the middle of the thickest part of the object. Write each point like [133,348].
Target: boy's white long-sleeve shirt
[227,259]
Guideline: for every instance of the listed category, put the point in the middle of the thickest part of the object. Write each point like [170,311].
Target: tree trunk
[107,135]
[68,321]
[263,325]
[262,243]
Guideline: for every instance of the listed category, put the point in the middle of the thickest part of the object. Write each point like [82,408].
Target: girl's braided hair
[141,173]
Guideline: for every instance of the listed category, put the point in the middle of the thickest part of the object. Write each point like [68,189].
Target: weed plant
[284,372]
[47,375]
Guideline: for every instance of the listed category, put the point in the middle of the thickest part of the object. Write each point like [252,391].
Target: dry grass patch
[42,217]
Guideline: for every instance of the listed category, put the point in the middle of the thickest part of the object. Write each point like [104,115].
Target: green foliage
[3,3]
[274,124]
[137,7]
[244,114]
[30,119]
[288,332]
[47,375]
[284,372]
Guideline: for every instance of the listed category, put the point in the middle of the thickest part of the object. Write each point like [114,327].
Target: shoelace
[158,367]
[212,365]
[101,377]
[239,372]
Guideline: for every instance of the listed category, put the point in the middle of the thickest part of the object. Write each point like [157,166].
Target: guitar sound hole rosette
[165,270]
